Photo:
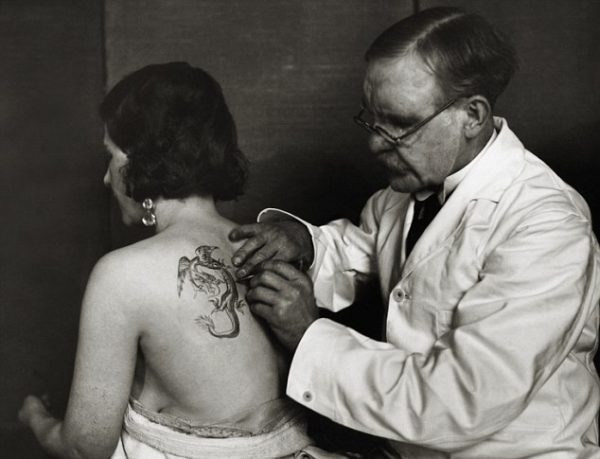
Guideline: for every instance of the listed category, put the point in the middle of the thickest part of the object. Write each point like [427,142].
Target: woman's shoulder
[128,271]
[151,268]
[123,263]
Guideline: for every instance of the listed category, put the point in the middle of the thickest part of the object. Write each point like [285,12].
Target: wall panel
[292,74]
[54,207]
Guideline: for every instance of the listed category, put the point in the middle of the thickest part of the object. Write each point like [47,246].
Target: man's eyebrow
[401,120]
[392,118]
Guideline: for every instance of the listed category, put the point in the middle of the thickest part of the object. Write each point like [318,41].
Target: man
[486,258]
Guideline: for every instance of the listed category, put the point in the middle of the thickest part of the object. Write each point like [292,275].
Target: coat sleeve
[344,253]
[513,328]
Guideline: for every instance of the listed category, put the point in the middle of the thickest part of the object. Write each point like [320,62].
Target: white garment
[149,435]
[492,320]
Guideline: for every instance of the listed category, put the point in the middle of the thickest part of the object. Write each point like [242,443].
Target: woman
[170,361]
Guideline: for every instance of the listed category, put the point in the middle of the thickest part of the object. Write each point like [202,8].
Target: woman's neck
[191,210]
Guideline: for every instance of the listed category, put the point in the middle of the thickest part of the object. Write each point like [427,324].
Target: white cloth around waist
[143,438]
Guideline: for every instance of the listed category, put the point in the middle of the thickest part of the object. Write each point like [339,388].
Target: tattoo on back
[210,276]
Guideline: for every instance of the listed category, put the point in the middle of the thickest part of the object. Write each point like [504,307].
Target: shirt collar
[454,179]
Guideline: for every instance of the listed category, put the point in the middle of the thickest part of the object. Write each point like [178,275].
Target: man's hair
[172,122]
[464,52]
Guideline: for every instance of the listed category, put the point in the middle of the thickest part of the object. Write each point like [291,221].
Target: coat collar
[489,177]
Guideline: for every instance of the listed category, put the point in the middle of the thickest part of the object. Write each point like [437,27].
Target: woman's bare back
[202,355]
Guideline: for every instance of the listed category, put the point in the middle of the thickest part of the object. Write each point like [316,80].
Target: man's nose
[378,143]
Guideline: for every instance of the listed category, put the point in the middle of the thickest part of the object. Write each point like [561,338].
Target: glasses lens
[367,117]
[366,120]
[360,122]
[385,134]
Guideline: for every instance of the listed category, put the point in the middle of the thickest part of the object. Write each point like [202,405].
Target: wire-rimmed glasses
[395,139]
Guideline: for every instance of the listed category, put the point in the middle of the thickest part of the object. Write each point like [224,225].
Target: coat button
[400,295]
[307,396]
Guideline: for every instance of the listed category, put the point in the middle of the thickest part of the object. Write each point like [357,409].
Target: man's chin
[403,184]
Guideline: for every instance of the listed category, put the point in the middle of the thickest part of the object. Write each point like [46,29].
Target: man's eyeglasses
[396,139]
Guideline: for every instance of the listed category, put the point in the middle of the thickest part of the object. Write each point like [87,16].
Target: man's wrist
[307,259]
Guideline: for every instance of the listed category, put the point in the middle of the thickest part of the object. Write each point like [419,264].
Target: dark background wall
[291,71]
[54,210]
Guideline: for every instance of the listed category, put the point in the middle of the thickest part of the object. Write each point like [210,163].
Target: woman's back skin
[204,356]
[141,305]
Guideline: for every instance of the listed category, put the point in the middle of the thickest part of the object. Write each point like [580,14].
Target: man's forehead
[406,76]
[407,69]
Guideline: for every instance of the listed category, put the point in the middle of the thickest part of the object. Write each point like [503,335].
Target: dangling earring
[149,218]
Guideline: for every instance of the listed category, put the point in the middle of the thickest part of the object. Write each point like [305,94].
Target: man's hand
[283,296]
[286,240]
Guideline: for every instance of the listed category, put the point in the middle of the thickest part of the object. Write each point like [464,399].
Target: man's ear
[479,111]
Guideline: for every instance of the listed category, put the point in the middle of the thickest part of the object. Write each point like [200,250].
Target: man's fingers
[249,254]
[268,279]
[254,261]
[244,232]
[285,270]
[262,294]
[254,241]
[262,310]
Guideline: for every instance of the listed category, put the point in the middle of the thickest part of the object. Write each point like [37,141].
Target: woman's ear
[479,111]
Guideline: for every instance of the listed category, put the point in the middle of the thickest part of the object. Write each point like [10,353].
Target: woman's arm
[104,368]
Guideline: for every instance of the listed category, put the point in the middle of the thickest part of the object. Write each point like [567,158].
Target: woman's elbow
[86,448]
[88,452]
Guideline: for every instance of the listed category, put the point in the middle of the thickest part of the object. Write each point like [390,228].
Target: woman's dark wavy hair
[172,122]
[465,53]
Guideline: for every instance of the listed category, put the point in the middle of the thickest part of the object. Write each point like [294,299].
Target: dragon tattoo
[219,286]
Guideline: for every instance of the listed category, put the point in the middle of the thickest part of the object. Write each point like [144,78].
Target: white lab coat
[492,320]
